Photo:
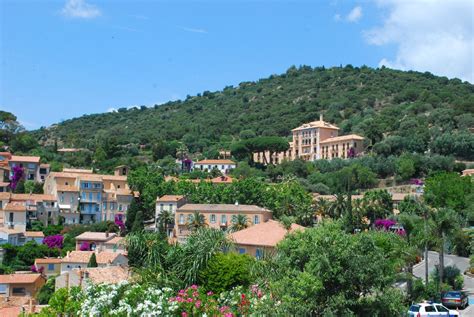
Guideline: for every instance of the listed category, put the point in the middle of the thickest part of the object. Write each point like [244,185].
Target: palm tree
[197,220]
[239,222]
[322,207]
[338,207]
[444,221]
[165,219]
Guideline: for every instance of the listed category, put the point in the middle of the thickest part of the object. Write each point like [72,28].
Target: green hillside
[418,111]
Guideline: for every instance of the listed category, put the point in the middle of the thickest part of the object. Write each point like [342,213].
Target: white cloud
[435,36]
[193,30]
[355,14]
[80,9]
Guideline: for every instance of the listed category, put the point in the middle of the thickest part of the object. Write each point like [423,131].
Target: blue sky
[63,59]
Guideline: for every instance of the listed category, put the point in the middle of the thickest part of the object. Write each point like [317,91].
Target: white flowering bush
[128,300]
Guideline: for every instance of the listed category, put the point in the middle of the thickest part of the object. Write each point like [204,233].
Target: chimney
[106,234]
[321,117]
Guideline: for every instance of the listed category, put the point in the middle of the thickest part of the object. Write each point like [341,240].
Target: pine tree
[131,213]
[92,261]
[138,222]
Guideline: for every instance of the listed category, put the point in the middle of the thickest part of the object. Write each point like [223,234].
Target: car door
[432,312]
[442,311]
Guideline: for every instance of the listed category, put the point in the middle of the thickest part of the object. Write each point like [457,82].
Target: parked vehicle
[428,309]
[455,299]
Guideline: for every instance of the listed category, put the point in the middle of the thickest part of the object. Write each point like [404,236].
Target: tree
[196,221]
[166,220]
[226,271]
[352,277]
[444,222]
[92,261]
[378,204]
[448,190]
[33,187]
[138,222]
[239,222]
[405,166]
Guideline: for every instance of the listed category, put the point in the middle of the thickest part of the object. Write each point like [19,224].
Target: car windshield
[415,308]
[453,294]
[441,308]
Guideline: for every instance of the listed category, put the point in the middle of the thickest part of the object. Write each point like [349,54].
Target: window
[3,288]
[66,183]
[90,196]
[442,309]
[223,218]
[104,205]
[61,199]
[181,219]
[170,207]
[120,207]
[161,207]
[213,218]
[99,196]
[242,250]
[50,267]
[72,199]
[429,309]
[10,217]
[84,195]
[223,166]
[97,207]
[19,291]
[256,219]
[259,253]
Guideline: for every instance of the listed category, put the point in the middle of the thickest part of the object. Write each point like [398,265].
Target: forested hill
[399,110]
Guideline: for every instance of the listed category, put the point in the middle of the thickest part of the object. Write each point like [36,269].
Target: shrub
[225,271]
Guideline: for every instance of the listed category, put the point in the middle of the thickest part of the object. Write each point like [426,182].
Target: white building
[224,166]
[168,203]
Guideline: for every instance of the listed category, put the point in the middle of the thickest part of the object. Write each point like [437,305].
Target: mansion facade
[313,141]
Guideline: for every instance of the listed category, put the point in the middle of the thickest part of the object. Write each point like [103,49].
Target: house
[313,141]
[36,236]
[85,197]
[220,216]
[224,166]
[44,171]
[168,203]
[224,179]
[14,215]
[91,241]
[10,236]
[21,284]
[4,178]
[80,259]
[40,207]
[93,275]
[29,164]
[48,266]
[261,238]
[468,172]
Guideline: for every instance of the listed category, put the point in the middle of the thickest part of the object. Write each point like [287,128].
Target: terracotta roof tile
[343,138]
[170,198]
[47,260]
[25,159]
[19,278]
[217,162]
[266,234]
[96,236]
[34,234]
[222,208]
[103,257]
[316,124]
[105,275]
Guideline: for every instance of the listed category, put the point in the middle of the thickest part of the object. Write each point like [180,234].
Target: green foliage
[92,261]
[226,271]
[448,190]
[20,258]
[351,277]
[46,292]
[33,187]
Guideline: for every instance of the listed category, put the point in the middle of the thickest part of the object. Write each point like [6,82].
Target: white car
[430,310]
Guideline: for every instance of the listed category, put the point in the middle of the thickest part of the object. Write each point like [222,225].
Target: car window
[429,309]
[452,294]
[442,308]
[415,308]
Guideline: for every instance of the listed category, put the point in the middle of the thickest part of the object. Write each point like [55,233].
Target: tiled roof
[266,234]
[95,236]
[116,240]
[103,257]
[14,207]
[218,162]
[47,260]
[222,180]
[114,178]
[105,275]
[34,234]
[171,178]
[19,278]
[10,231]
[25,159]
[5,195]
[316,124]
[34,197]
[45,165]
[170,198]
[222,208]
[3,184]
[343,138]
[77,170]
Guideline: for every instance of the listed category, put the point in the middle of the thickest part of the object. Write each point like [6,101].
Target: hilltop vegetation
[397,111]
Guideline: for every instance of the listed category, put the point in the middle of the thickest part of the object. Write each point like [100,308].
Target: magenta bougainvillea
[16,177]
[85,246]
[384,224]
[119,222]
[35,269]
[55,241]
[351,153]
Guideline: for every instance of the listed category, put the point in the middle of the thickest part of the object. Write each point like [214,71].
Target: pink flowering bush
[16,177]
[240,301]
[35,269]
[85,246]
[384,224]
[119,222]
[55,241]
